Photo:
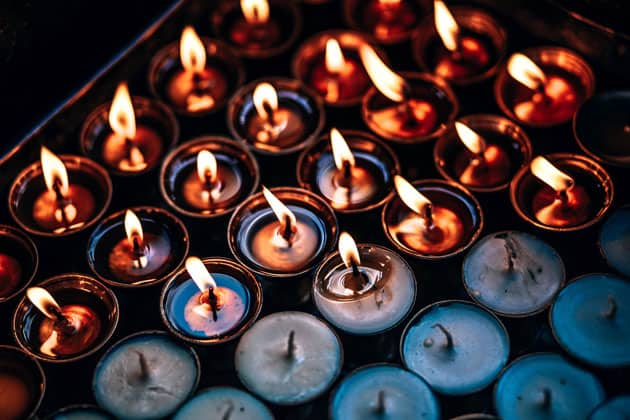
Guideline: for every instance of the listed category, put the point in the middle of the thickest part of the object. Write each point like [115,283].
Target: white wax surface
[263,366]
[217,403]
[379,309]
[82,413]
[118,386]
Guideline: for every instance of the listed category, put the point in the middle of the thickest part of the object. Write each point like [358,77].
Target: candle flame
[192,52]
[446,25]
[133,227]
[389,2]
[265,98]
[43,301]
[473,141]
[550,175]
[409,195]
[341,150]
[255,11]
[122,119]
[525,71]
[279,209]
[199,273]
[206,166]
[54,171]
[335,62]
[348,250]
[386,81]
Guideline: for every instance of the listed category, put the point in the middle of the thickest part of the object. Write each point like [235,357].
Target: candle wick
[380,405]
[287,230]
[229,411]
[138,251]
[291,345]
[270,113]
[510,252]
[428,215]
[213,301]
[62,324]
[62,201]
[611,309]
[545,402]
[347,172]
[449,338]
[145,372]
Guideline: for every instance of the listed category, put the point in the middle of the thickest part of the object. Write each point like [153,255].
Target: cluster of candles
[285,236]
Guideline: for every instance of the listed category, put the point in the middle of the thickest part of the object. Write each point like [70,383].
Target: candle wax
[351,82]
[223,403]
[128,268]
[493,167]
[614,240]
[471,58]
[81,413]
[446,234]
[197,91]
[389,20]
[617,408]
[221,194]
[551,210]
[561,99]
[410,119]
[86,325]
[10,274]
[14,397]
[79,208]
[255,36]
[357,191]
[137,154]
[285,129]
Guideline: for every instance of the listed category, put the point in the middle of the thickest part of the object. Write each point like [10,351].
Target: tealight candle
[590,319]
[65,318]
[406,108]
[431,219]
[275,116]
[22,384]
[483,152]
[258,28]
[383,391]
[80,412]
[223,403]
[463,44]
[388,21]
[129,136]
[456,346]
[288,358]
[60,195]
[543,86]
[614,240]
[146,375]
[617,408]
[208,176]
[513,273]
[137,247]
[195,76]
[545,385]
[210,301]
[562,192]
[19,261]
[364,289]
[353,171]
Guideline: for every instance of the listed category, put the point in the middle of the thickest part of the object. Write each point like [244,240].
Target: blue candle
[614,240]
[591,319]
[80,412]
[617,408]
[545,385]
[456,346]
[223,403]
[383,392]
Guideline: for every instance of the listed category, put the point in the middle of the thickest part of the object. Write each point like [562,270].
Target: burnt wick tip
[291,345]
[144,367]
[449,338]
[380,403]
[611,308]
[545,401]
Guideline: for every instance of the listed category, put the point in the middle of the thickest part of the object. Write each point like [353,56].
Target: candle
[590,319]
[225,403]
[288,358]
[406,108]
[129,136]
[388,21]
[545,385]
[275,116]
[22,384]
[59,195]
[65,318]
[146,375]
[353,171]
[137,247]
[431,218]
[563,192]
[483,153]
[544,86]
[614,240]
[80,412]
[364,289]
[195,76]
[615,408]
[456,346]
[383,391]
[475,416]
[210,301]
[19,261]
[513,273]
[208,176]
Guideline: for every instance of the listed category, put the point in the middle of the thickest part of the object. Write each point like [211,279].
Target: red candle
[14,396]
[10,274]
[255,29]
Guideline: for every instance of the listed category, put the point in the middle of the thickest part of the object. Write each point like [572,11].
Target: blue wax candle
[223,403]
[591,319]
[614,240]
[383,392]
[545,385]
[80,412]
[457,347]
[617,408]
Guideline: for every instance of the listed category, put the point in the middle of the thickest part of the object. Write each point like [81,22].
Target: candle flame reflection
[550,175]
[341,150]
[43,301]
[348,250]
[335,62]
[525,71]
[54,171]
[192,52]
[122,119]
[255,11]
[446,25]
[473,141]
[206,167]
[410,195]
[386,81]
[265,100]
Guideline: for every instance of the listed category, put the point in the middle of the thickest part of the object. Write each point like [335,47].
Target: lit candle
[615,408]
[22,384]
[544,385]
[80,412]
[288,358]
[513,273]
[456,346]
[19,261]
[225,403]
[614,240]
[146,375]
[389,21]
[590,318]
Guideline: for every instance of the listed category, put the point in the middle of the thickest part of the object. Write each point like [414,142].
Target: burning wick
[472,140]
[349,253]
[448,345]
[386,81]
[56,179]
[122,121]
[265,100]
[552,176]
[447,28]
[335,65]
[286,218]
[210,294]
[51,309]
[256,12]
[208,175]
[526,72]
[344,159]
[135,237]
[420,205]
[192,54]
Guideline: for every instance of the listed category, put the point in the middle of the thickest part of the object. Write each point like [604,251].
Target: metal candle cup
[586,202]
[237,177]
[22,382]
[613,408]
[223,402]
[137,259]
[506,149]
[290,126]
[80,412]
[19,261]
[614,240]
[83,322]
